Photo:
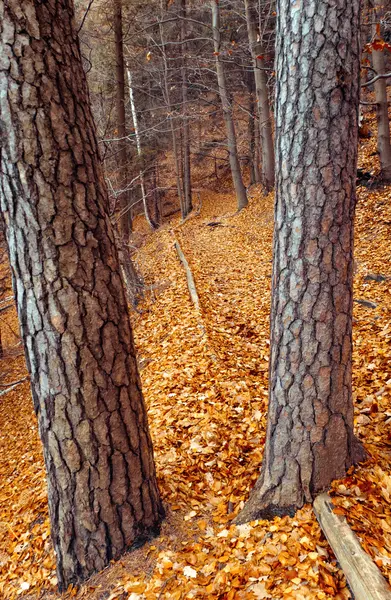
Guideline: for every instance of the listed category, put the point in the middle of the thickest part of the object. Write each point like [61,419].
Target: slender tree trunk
[265,125]
[383,124]
[148,218]
[125,222]
[310,438]
[254,167]
[187,199]
[166,92]
[240,190]
[102,489]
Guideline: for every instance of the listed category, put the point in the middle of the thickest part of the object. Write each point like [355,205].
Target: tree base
[268,502]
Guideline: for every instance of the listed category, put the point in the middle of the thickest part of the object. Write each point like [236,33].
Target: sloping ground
[205,381]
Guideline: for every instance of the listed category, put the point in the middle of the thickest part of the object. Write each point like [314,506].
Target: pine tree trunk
[265,125]
[102,489]
[240,190]
[125,221]
[310,438]
[187,199]
[383,123]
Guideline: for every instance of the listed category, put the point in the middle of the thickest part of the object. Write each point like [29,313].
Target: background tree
[310,438]
[265,125]
[102,489]
[237,180]
[380,86]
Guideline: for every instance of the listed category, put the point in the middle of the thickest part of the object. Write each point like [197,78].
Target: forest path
[206,395]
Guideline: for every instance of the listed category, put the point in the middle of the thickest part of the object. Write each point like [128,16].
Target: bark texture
[70,299]
[310,437]
[265,124]
[240,190]
[383,123]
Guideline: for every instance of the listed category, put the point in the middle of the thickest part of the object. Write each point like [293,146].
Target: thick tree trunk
[70,299]
[265,125]
[125,221]
[187,199]
[240,190]
[310,437]
[383,123]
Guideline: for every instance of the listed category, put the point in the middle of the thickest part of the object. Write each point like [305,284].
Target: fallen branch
[12,386]
[364,578]
[189,276]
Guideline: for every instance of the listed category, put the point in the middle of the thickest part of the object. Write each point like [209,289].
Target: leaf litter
[204,377]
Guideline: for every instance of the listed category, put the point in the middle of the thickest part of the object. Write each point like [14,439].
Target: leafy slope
[205,380]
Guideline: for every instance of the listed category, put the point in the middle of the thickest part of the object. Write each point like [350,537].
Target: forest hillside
[204,374]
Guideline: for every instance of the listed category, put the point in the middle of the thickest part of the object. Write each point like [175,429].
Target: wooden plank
[364,578]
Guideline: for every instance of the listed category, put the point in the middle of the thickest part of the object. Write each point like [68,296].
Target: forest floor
[204,377]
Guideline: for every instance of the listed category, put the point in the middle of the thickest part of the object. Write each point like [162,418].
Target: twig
[364,578]
[14,383]
[3,308]
[85,16]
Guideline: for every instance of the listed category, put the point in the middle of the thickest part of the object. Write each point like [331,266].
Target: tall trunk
[254,167]
[102,489]
[383,124]
[187,200]
[148,218]
[125,222]
[265,125]
[240,190]
[167,98]
[310,437]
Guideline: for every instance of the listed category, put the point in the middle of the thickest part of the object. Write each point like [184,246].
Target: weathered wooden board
[364,578]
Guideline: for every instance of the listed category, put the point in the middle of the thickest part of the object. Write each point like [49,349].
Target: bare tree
[125,221]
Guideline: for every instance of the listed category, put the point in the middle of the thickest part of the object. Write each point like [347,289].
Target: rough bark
[265,124]
[125,221]
[310,438]
[187,199]
[102,489]
[383,124]
[240,190]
